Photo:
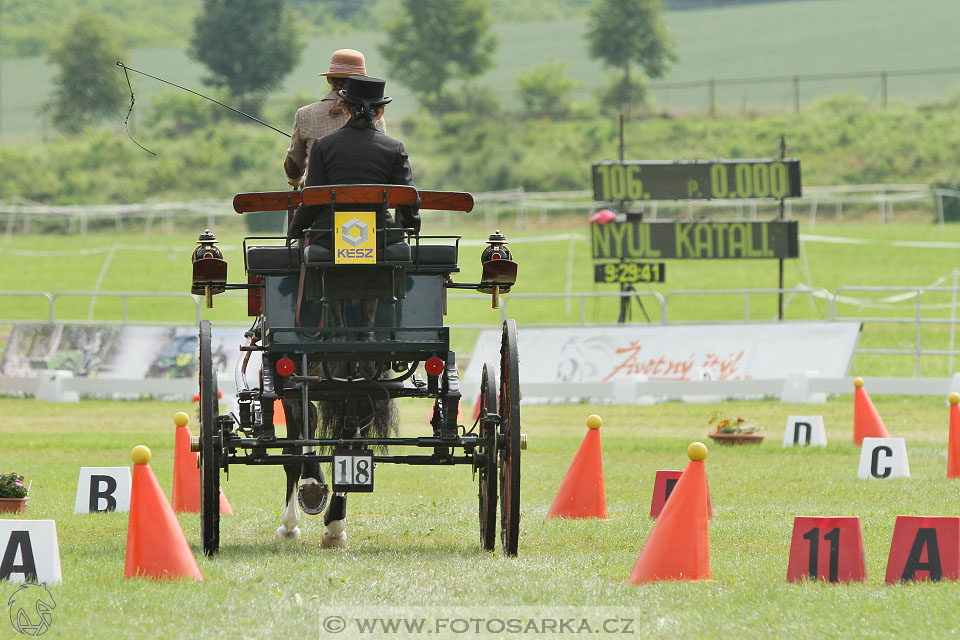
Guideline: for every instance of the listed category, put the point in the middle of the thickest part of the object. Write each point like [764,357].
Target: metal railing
[897,297]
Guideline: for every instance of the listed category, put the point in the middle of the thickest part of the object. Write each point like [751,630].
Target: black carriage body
[292,289]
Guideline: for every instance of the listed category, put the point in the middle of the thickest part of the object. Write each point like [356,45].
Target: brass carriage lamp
[499,269]
[209,268]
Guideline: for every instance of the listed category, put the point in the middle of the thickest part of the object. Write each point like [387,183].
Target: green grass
[775,39]
[414,541]
[543,269]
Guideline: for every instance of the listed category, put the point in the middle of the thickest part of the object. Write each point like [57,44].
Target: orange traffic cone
[279,413]
[581,494]
[679,544]
[186,473]
[866,421]
[156,546]
[953,446]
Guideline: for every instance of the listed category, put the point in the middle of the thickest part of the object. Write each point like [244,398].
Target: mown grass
[161,263]
[414,542]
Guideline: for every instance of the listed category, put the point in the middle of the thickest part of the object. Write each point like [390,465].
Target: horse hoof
[284,534]
[329,541]
[312,497]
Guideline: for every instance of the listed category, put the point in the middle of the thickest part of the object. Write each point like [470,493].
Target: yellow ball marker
[954,398]
[697,451]
[181,419]
[594,421]
[858,382]
[141,454]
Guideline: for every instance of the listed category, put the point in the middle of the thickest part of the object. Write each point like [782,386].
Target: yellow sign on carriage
[355,240]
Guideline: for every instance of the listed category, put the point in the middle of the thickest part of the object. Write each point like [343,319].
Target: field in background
[130,261]
[420,528]
[777,39]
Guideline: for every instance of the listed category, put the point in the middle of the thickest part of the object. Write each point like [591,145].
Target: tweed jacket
[355,156]
[312,122]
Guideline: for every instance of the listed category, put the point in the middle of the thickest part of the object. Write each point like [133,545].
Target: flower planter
[13,505]
[736,438]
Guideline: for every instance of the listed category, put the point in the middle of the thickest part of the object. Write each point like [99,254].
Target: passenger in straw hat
[325,116]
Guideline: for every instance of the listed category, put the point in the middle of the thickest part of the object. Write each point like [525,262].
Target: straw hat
[345,63]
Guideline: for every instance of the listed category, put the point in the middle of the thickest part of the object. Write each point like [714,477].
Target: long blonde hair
[337,84]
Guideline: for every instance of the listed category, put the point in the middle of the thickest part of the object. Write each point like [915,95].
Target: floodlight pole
[783,154]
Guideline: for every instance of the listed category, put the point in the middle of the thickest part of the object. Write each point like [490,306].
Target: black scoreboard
[738,239]
[697,180]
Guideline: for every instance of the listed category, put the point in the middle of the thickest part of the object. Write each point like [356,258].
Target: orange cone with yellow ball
[953,444]
[866,421]
[679,544]
[186,473]
[582,494]
[156,546]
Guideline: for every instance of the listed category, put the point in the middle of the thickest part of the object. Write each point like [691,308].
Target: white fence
[526,208]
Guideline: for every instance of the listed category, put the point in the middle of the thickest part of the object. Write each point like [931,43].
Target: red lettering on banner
[724,366]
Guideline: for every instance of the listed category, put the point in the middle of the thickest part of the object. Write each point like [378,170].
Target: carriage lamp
[499,269]
[209,268]
[285,366]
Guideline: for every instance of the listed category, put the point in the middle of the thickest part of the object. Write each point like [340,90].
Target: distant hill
[29,27]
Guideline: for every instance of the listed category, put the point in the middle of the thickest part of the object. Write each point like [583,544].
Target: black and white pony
[306,487]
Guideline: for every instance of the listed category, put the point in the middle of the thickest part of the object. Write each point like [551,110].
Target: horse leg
[290,516]
[334,533]
[312,495]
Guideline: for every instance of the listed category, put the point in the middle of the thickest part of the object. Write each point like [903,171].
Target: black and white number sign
[353,470]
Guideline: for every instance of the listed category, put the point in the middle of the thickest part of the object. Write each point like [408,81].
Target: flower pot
[736,438]
[13,505]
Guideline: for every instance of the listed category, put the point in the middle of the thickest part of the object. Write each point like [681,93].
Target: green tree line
[203,152]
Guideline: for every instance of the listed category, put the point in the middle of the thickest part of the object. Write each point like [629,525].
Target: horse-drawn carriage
[351,318]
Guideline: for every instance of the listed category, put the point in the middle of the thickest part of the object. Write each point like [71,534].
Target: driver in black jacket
[357,153]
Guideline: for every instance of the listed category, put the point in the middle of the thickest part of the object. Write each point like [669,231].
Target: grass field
[414,542]
[129,261]
[776,39]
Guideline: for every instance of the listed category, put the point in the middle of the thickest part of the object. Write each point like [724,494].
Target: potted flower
[727,430]
[13,493]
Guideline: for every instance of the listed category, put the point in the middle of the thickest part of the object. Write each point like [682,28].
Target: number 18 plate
[353,470]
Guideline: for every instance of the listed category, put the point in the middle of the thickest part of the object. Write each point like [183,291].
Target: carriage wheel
[488,459]
[510,432]
[209,447]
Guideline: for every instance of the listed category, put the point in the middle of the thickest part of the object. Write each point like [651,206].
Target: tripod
[625,306]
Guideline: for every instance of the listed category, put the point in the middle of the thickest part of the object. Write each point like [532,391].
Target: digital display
[698,180]
[661,240]
[629,272]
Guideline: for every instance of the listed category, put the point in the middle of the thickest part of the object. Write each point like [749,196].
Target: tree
[434,41]
[545,89]
[88,84]
[624,32]
[248,46]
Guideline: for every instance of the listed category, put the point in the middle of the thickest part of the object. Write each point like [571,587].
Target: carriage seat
[275,260]
[395,252]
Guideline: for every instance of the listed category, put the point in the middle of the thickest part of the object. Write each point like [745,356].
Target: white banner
[671,353]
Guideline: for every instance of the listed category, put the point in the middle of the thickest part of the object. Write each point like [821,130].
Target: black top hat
[364,90]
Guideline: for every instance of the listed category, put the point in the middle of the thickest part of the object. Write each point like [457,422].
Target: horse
[306,488]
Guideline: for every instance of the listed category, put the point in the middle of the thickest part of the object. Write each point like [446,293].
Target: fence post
[796,94]
[712,97]
[918,347]
[883,88]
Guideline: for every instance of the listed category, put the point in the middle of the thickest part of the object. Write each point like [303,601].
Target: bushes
[482,148]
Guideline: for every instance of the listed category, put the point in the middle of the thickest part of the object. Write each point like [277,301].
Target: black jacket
[354,156]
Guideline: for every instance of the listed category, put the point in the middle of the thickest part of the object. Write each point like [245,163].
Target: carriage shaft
[282,443]
[306,459]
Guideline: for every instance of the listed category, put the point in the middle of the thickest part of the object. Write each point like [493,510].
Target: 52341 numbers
[629,272]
